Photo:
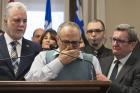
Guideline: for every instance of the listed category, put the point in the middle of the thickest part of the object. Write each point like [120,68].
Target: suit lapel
[4,54]
[24,60]
[105,64]
[126,68]
[3,48]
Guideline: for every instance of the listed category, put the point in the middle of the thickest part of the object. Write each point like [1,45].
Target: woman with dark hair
[48,40]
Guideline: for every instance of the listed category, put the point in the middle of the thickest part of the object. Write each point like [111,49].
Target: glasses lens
[74,43]
[119,40]
[94,30]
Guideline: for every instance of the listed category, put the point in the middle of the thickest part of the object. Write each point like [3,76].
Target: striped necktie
[14,56]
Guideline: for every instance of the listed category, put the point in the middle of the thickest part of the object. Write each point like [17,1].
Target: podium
[90,86]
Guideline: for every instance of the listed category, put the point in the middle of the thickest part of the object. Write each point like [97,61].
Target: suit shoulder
[32,45]
[26,41]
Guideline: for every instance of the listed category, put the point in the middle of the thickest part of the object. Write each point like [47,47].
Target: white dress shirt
[8,40]
[120,65]
[41,71]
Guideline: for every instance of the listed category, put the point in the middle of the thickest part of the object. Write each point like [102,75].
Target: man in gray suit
[16,53]
[125,72]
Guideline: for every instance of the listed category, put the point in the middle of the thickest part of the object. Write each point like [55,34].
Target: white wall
[36,14]
[122,11]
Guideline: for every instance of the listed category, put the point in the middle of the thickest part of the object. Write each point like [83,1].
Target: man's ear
[104,37]
[134,44]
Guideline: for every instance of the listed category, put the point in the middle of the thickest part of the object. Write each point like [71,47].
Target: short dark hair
[100,21]
[52,33]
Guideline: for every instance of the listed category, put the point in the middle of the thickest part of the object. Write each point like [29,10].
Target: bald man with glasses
[67,62]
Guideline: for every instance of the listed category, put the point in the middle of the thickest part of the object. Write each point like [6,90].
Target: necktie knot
[95,52]
[14,43]
[117,62]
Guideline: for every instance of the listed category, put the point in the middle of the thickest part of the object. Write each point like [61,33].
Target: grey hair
[67,24]
[17,5]
[132,35]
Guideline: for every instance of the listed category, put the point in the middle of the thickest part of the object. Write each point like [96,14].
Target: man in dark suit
[15,62]
[95,35]
[125,72]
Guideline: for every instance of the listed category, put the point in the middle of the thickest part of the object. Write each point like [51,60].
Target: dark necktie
[114,71]
[14,56]
[95,52]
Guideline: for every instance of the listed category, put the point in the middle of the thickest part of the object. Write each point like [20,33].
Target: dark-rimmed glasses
[120,41]
[94,30]
[67,42]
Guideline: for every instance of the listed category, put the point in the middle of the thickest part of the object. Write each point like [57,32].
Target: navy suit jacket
[28,52]
[128,80]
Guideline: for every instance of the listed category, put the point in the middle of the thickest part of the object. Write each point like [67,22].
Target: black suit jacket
[128,80]
[101,53]
[136,51]
[28,52]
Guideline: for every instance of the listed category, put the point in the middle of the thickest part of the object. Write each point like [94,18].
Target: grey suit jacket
[28,52]
[128,80]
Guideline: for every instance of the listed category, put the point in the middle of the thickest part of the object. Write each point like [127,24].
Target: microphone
[3,59]
[93,69]
[53,46]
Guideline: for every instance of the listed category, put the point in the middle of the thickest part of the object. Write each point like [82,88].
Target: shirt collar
[9,39]
[123,60]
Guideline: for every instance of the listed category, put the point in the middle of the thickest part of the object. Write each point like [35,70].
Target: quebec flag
[48,17]
[78,15]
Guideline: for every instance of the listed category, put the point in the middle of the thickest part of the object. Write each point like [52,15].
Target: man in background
[37,35]
[95,35]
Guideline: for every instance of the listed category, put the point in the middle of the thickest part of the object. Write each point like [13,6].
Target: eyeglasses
[119,40]
[67,42]
[94,30]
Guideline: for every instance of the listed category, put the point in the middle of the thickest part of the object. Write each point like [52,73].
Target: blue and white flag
[78,15]
[48,17]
